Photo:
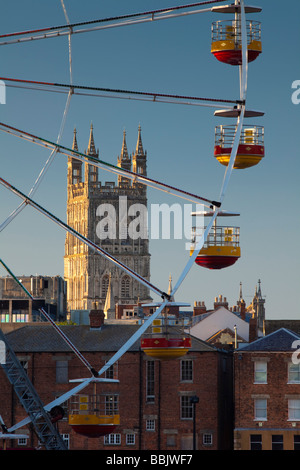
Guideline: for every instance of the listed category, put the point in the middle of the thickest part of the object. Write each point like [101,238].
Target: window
[61,372]
[111,404]
[293,373]
[22,441]
[186,371]
[260,372]
[277,442]
[207,439]
[150,369]
[112,371]
[260,409]
[130,439]
[186,407]
[112,439]
[150,425]
[104,285]
[125,287]
[66,439]
[294,409]
[255,442]
[296,442]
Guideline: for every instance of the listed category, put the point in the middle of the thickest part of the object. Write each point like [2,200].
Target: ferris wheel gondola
[93,414]
[222,246]
[166,338]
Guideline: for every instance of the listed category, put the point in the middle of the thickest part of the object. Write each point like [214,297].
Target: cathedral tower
[109,215]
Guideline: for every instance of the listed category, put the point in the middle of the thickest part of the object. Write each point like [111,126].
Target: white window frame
[260,372]
[294,409]
[130,439]
[112,439]
[294,372]
[260,405]
[150,425]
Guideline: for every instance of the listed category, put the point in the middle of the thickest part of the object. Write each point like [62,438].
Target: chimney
[252,329]
[199,308]
[96,318]
[220,302]
[243,310]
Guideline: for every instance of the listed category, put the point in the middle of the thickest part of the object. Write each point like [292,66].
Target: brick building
[153,397]
[267,393]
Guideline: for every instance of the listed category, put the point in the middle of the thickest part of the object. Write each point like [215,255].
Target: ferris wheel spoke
[115,93]
[105,23]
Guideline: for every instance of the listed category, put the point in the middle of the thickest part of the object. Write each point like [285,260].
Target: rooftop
[279,340]
[109,338]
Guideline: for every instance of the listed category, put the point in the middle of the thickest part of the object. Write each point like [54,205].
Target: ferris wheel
[235,42]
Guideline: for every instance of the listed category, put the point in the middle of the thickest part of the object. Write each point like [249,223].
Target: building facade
[49,292]
[104,213]
[267,393]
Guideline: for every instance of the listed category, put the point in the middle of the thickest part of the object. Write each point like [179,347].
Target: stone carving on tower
[105,213]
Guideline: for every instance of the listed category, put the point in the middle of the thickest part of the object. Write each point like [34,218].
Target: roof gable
[279,340]
[217,320]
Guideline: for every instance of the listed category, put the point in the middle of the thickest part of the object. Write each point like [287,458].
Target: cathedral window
[125,287]
[104,285]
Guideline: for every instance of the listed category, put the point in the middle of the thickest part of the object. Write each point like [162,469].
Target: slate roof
[110,338]
[279,340]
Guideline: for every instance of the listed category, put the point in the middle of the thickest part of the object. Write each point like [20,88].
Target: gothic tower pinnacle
[139,159]
[124,161]
[74,166]
[90,171]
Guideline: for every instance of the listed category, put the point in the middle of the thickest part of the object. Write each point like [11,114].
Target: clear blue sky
[171,56]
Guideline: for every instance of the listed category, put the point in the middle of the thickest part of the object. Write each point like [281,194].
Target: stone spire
[124,151]
[74,145]
[139,151]
[242,304]
[74,166]
[109,306]
[139,158]
[91,147]
[259,289]
[241,292]
[124,161]
[90,171]
[258,306]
